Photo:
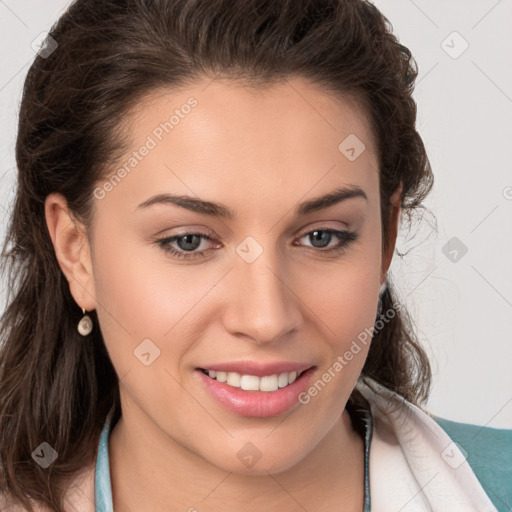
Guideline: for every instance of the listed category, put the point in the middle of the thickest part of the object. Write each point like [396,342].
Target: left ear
[395,207]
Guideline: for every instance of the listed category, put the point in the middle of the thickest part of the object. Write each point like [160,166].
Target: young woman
[200,318]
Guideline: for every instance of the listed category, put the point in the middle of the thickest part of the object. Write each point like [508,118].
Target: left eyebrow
[223,211]
[334,197]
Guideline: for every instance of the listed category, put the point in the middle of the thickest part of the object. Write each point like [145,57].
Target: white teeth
[282,380]
[270,382]
[252,382]
[233,379]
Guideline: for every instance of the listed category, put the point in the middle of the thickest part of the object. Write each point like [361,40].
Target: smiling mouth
[266,383]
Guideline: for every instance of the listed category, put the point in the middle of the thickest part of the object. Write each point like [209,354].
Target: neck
[150,470]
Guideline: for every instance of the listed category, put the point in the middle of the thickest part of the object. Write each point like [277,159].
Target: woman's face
[270,289]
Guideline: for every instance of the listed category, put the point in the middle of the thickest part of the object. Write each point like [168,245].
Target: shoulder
[488,451]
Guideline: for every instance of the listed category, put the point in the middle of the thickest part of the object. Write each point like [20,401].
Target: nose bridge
[264,307]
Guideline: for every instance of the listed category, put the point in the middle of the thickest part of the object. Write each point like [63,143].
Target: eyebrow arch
[223,211]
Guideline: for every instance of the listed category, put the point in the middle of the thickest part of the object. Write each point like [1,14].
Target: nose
[262,303]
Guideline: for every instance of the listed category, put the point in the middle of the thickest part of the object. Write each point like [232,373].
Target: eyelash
[345,237]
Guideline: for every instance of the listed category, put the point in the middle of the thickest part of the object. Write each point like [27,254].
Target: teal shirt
[489,455]
[102,486]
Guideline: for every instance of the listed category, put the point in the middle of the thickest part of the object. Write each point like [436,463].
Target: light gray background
[462,308]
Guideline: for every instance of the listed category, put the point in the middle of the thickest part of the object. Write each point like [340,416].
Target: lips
[262,402]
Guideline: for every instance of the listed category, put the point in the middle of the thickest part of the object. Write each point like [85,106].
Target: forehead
[292,106]
[214,137]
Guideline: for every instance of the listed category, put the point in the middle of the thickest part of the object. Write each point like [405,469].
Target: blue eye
[325,236]
[188,243]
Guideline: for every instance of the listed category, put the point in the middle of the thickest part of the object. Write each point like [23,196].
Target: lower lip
[258,404]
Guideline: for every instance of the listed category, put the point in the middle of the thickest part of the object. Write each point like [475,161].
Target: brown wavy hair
[58,387]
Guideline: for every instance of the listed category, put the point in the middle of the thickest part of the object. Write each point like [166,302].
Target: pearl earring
[85,324]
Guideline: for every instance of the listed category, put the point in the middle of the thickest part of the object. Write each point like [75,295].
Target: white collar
[414,465]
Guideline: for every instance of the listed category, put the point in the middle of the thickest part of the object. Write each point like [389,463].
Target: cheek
[143,296]
[344,296]
[134,286]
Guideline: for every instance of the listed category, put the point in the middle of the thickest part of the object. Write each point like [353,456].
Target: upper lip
[258,369]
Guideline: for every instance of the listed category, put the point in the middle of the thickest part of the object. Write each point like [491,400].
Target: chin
[249,460]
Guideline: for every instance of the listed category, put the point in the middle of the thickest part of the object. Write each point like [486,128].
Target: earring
[85,324]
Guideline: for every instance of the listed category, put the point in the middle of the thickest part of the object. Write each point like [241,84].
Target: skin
[260,152]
